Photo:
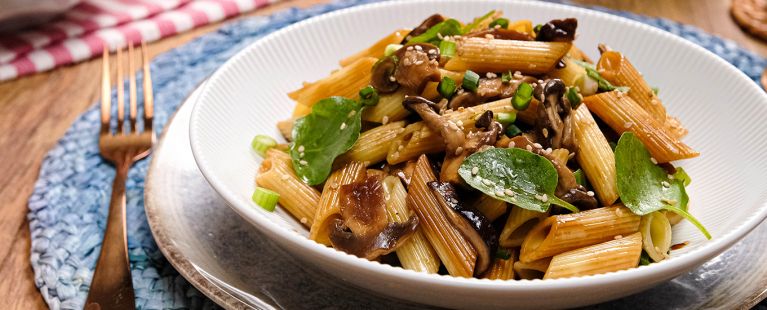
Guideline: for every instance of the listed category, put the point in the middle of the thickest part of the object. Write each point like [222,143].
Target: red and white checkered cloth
[81,33]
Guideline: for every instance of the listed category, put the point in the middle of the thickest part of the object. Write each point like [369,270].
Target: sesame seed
[529,147]
[392,78]
[459,123]
[518,75]
[497,26]
[300,148]
[432,51]
[400,147]
[420,62]
[301,155]
[458,151]
[491,75]
[488,182]
[418,48]
[668,201]
[628,125]
[512,144]
[513,199]
[343,126]
[439,35]
[545,132]
[303,162]
[395,155]
[618,237]
[590,193]
[285,177]
[304,220]
[489,36]
[653,160]
[509,192]
[334,185]
[385,120]
[670,177]
[410,48]
[474,170]
[537,145]
[406,61]
[547,151]
[540,82]
[352,113]
[499,193]
[544,198]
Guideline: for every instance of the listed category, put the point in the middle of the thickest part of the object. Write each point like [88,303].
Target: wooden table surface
[36,110]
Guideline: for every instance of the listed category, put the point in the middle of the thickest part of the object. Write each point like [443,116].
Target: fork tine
[132,89]
[148,96]
[120,92]
[106,105]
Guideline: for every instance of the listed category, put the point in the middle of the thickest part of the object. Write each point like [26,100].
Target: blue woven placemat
[68,208]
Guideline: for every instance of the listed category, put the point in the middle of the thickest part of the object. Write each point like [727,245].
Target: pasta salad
[492,149]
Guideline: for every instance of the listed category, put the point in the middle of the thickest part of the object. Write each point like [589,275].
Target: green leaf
[580,177]
[502,253]
[690,218]
[506,77]
[655,90]
[449,27]
[643,186]
[330,130]
[513,175]
[476,21]
[645,259]
[502,22]
[682,175]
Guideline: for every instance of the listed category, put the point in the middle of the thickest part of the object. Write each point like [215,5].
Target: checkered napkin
[82,32]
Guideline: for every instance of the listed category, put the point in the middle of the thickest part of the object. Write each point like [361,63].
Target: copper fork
[112,287]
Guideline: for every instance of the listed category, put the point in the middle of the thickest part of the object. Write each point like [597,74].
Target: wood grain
[35,112]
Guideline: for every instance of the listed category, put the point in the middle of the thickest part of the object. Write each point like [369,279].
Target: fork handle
[112,285]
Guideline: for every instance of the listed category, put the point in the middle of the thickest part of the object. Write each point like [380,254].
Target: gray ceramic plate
[233,264]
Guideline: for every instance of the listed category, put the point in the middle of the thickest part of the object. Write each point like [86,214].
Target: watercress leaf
[330,130]
[689,217]
[682,175]
[512,175]
[643,186]
[449,27]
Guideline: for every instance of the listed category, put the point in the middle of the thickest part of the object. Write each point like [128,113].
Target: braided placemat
[68,208]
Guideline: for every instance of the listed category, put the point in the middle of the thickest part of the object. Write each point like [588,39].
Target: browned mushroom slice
[558,30]
[425,25]
[470,222]
[382,77]
[362,228]
[567,188]
[417,65]
[451,134]
[554,124]
[501,34]
[474,141]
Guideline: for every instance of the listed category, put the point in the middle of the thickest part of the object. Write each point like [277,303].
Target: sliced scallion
[446,87]
[506,77]
[368,96]
[512,130]
[504,23]
[447,48]
[537,28]
[522,97]
[391,49]
[573,96]
[265,198]
[261,143]
[505,118]
[470,81]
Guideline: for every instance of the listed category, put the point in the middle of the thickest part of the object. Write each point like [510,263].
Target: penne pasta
[518,224]
[619,254]
[623,114]
[416,253]
[372,145]
[595,156]
[276,174]
[328,206]
[523,26]
[620,72]
[532,270]
[345,82]
[656,235]
[561,233]
[501,269]
[388,109]
[490,207]
[451,246]
[377,49]
[494,55]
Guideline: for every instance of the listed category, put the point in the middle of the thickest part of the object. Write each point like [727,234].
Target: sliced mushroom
[489,89]
[417,65]
[567,188]
[475,140]
[554,124]
[382,78]
[558,30]
[451,134]
[470,222]
[424,26]
[363,229]
[501,34]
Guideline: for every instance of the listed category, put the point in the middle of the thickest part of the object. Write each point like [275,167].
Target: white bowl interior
[720,106]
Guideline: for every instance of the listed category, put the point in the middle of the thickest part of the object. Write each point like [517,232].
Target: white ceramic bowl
[723,109]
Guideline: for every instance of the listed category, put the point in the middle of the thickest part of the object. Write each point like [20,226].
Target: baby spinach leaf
[514,175]
[643,186]
[449,27]
[330,130]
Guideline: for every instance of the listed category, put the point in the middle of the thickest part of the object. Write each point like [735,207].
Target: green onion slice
[368,96]
[391,49]
[512,130]
[504,23]
[447,48]
[265,198]
[470,81]
[573,96]
[261,143]
[522,97]
[506,77]
[446,87]
[505,118]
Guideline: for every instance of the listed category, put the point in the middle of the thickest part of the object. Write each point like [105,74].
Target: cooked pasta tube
[417,138]
[286,128]
[493,55]
[518,224]
[490,207]
[532,270]
[623,114]
[416,253]
[574,75]
[388,109]
[328,205]
[523,26]
[619,254]
[595,156]
[656,235]
[372,145]
[501,269]
[377,49]
[562,233]
[529,115]
[620,72]
[345,82]
[453,249]
[276,174]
